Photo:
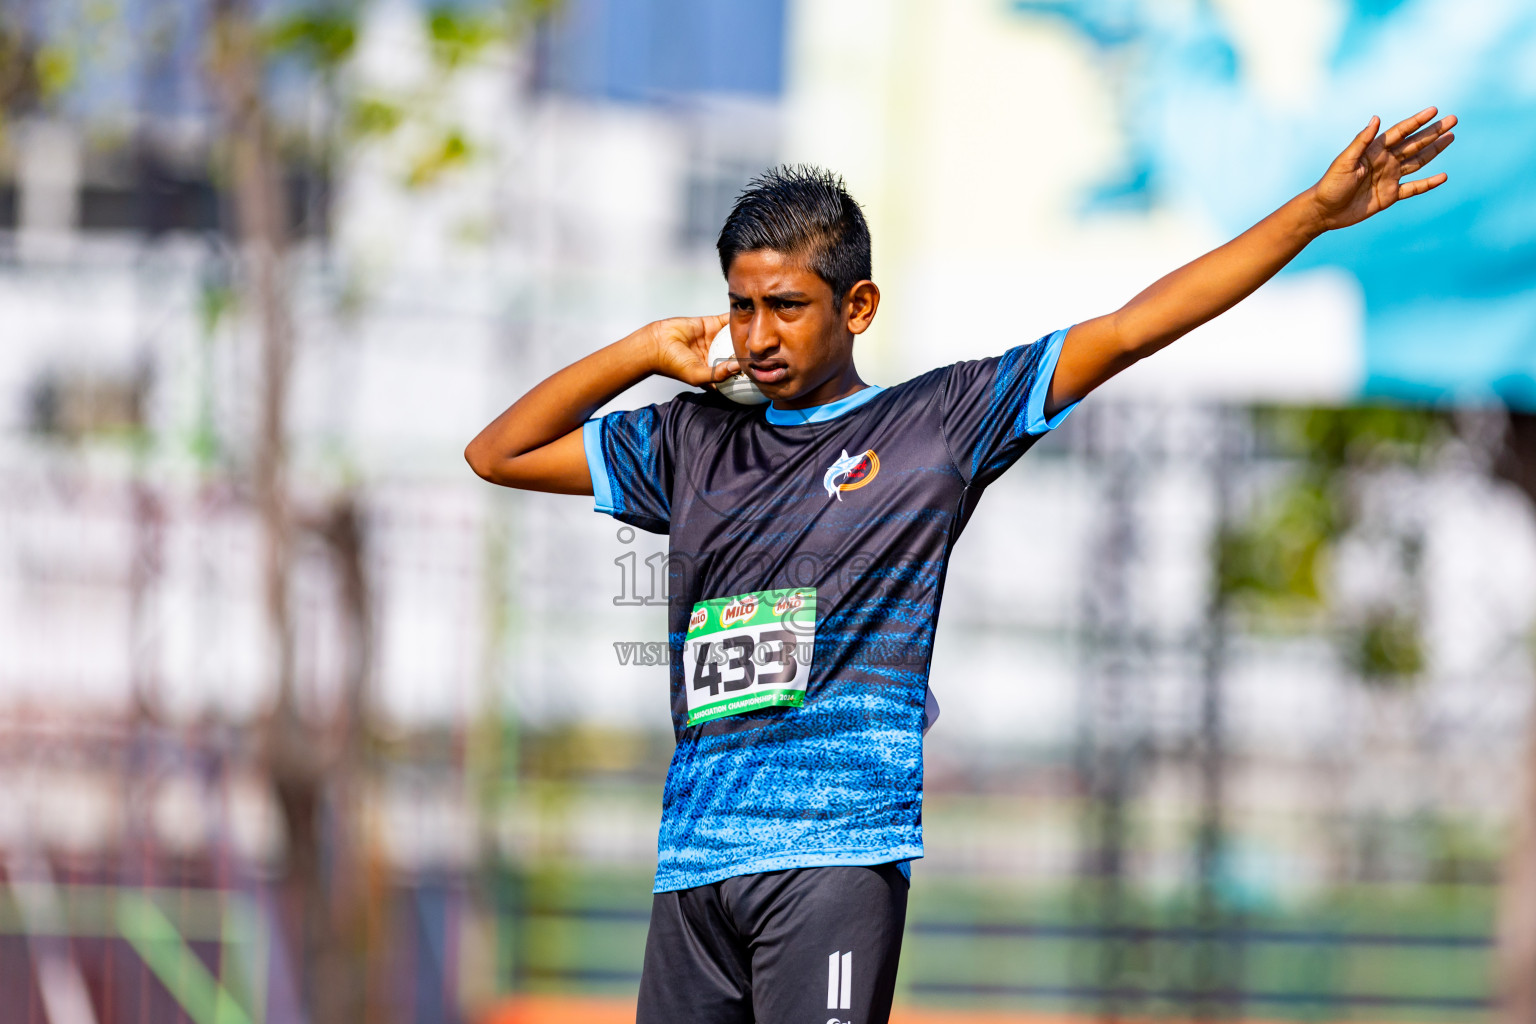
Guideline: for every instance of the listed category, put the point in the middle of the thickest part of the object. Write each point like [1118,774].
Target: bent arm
[536,443]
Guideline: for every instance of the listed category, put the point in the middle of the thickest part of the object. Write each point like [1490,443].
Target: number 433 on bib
[749,652]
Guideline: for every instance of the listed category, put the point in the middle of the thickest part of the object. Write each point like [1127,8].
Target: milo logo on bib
[738,611]
[788,603]
[749,651]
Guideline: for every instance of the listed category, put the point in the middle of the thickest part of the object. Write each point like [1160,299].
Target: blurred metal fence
[974,945]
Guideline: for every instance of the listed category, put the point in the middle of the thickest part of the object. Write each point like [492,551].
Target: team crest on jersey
[850,472]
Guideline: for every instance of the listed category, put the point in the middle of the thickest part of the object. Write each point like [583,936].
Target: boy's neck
[838,387]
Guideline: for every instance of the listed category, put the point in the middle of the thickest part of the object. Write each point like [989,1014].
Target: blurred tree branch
[20,84]
[1515,461]
[334,882]
[291,754]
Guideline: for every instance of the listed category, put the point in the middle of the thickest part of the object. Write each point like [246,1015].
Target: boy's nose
[761,337]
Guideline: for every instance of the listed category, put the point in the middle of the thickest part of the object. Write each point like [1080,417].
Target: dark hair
[807,214]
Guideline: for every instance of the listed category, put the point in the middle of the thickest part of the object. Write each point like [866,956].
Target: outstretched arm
[536,443]
[1364,180]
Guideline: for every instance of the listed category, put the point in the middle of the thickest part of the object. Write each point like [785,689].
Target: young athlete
[809,541]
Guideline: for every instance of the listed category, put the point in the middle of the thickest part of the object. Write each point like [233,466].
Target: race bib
[748,652]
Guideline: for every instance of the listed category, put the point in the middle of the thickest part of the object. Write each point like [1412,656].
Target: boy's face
[788,333]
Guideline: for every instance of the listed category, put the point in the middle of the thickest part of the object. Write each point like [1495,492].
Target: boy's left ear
[862,301]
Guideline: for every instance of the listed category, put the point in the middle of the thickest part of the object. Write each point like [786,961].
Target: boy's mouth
[767,373]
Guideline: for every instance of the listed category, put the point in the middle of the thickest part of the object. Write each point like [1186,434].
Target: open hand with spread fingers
[1367,177]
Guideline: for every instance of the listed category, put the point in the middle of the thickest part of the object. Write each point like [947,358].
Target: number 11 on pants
[839,981]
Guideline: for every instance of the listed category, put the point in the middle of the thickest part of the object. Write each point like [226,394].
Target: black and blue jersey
[841,518]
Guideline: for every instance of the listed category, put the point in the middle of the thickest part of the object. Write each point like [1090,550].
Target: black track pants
[803,946]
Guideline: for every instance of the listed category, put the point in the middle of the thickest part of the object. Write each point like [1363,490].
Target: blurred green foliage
[458,33]
[56,70]
[457,36]
[1276,556]
[1355,437]
[1386,647]
[32,73]
[1274,564]
[323,37]
[448,151]
[318,38]
[372,115]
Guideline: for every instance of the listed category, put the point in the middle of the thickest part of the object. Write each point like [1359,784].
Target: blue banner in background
[661,50]
[1450,278]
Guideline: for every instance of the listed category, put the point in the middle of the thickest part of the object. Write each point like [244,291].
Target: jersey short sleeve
[630,458]
[994,408]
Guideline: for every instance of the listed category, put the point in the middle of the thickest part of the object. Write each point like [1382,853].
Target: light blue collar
[822,413]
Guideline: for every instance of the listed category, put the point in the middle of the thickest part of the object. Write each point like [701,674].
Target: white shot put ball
[738,387]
